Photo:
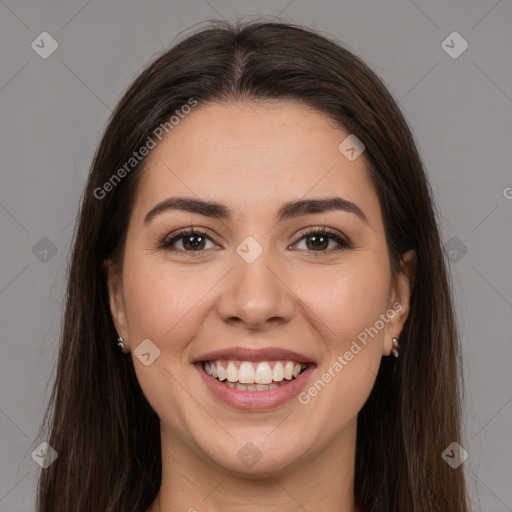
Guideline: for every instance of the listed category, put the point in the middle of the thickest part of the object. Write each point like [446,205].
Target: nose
[256,295]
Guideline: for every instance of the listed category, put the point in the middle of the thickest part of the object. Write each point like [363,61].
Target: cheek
[158,300]
[348,371]
[347,300]
[160,305]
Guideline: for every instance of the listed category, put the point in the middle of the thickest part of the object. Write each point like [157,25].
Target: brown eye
[191,241]
[317,240]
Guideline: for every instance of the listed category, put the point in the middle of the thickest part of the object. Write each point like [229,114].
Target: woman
[259,239]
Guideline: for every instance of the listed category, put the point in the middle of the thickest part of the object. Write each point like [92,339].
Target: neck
[323,481]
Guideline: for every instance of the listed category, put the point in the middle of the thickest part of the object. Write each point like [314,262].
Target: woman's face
[252,291]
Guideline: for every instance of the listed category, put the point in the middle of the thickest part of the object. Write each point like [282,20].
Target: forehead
[254,157]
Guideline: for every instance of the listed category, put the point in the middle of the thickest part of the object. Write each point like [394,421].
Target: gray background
[53,111]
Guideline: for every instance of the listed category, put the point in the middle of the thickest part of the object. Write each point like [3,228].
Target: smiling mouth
[254,376]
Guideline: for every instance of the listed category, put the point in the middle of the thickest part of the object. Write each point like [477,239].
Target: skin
[253,157]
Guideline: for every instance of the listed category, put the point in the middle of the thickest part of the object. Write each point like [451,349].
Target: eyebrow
[287,211]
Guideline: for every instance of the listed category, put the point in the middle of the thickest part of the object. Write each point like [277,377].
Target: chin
[258,455]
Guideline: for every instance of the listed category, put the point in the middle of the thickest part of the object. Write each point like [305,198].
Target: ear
[116,300]
[399,299]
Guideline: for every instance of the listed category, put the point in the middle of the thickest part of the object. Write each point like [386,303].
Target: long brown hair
[98,420]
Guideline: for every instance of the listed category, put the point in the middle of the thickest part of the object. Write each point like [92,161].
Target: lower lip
[255,400]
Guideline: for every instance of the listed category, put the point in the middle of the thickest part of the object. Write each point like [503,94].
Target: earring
[396,346]
[120,343]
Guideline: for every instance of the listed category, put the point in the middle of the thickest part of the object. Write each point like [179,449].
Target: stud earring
[396,346]
[120,343]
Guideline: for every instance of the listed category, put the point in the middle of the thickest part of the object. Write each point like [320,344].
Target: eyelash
[344,244]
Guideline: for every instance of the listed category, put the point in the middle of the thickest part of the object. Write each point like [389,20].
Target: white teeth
[253,376]
[288,370]
[246,373]
[278,373]
[221,373]
[232,372]
[263,374]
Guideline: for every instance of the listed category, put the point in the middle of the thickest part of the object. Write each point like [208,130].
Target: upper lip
[254,355]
